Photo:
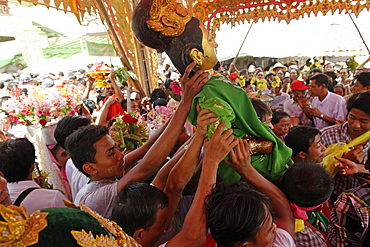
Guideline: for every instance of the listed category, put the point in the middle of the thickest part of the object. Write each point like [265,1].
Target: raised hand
[356,154]
[220,144]
[205,117]
[239,157]
[192,86]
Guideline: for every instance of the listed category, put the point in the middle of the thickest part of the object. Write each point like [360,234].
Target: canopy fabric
[68,49]
[216,12]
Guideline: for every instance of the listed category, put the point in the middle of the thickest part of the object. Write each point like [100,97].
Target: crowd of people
[243,158]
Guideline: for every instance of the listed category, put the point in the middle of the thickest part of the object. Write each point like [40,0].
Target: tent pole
[358,30]
[237,54]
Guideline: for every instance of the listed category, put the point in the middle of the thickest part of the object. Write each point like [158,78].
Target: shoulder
[337,98]
[283,239]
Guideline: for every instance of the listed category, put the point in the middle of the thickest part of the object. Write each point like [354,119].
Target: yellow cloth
[298,225]
[338,150]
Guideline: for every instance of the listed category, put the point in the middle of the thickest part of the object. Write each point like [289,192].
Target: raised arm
[183,171]
[101,119]
[117,91]
[194,230]
[162,147]
[240,161]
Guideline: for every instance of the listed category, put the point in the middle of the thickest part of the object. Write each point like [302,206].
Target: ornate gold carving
[19,228]
[259,145]
[168,17]
[121,237]
[87,239]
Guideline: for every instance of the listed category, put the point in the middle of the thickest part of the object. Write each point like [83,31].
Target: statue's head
[167,26]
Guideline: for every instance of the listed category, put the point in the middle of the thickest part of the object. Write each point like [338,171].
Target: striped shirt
[350,218]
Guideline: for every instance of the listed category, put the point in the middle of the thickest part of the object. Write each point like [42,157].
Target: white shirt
[294,110]
[38,199]
[332,105]
[76,179]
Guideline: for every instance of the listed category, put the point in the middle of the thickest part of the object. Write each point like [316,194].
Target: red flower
[134,120]
[127,118]
[43,122]
[233,76]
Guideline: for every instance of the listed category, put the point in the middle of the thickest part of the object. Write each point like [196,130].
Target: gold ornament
[122,239]
[19,228]
[168,17]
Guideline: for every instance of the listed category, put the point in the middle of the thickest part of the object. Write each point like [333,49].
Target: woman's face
[281,74]
[339,91]
[260,76]
[209,50]
[294,74]
[282,127]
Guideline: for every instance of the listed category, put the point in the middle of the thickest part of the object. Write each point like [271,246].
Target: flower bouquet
[159,116]
[42,106]
[128,131]
[175,90]
[261,84]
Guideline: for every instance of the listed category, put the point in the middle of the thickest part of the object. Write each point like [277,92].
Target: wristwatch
[321,116]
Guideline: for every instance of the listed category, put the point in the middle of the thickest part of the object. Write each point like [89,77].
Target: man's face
[267,233]
[358,87]
[260,75]
[109,90]
[134,106]
[314,88]
[152,234]
[358,122]
[316,152]
[343,74]
[297,94]
[209,46]
[108,160]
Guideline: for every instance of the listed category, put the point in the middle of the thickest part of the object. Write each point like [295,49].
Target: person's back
[17,158]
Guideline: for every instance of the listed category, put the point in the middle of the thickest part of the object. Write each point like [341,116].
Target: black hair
[80,144]
[17,156]
[300,138]
[235,213]
[67,126]
[90,105]
[277,115]
[157,94]
[160,102]
[178,47]
[363,78]
[307,184]
[331,73]
[320,79]
[315,70]
[261,108]
[359,101]
[101,97]
[137,205]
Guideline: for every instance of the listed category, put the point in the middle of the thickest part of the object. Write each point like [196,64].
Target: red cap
[298,85]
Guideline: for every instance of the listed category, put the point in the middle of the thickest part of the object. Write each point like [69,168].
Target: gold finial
[168,17]
[19,228]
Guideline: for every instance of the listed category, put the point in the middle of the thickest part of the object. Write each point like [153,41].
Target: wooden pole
[358,30]
[241,46]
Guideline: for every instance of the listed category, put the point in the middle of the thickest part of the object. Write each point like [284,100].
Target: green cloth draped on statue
[225,96]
